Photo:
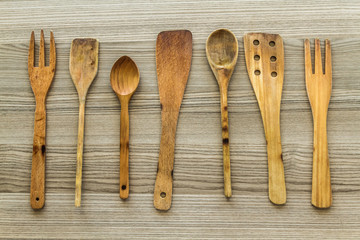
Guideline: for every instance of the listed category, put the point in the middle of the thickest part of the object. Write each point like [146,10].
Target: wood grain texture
[264,54]
[41,77]
[318,87]
[173,62]
[199,208]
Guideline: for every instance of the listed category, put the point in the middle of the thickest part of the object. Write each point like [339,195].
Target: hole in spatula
[37,199]
[273,58]
[162,194]
[272,43]
[256,42]
[123,187]
[257,72]
[274,74]
[257,57]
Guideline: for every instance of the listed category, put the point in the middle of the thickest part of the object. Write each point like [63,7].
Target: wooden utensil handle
[37,190]
[79,157]
[226,144]
[124,150]
[277,189]
[321,182]
[164,177]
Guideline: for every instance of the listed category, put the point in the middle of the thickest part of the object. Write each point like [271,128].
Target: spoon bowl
[124,76]
[222,49]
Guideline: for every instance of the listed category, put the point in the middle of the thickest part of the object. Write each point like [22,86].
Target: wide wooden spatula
[83,69]
[264,54]
[173,61]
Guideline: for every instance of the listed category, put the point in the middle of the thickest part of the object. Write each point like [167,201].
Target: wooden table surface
[199,209]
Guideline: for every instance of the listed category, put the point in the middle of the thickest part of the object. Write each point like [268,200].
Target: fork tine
[318,62]
[42,50]
[31,52]
[328,68]
[52,60]
[308,66]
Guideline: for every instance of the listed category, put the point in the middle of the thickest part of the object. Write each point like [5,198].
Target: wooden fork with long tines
[40,78]
[318,86]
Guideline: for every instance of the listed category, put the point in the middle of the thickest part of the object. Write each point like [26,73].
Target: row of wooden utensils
[264,54]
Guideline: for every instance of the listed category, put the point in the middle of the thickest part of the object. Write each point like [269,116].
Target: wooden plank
[247,215]
[199,208]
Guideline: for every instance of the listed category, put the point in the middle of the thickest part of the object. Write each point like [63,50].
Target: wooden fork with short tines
[318,86]
[40,79]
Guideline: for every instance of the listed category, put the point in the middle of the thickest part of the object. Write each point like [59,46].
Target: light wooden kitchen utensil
[83,69]
[318,86]
[41,78]
[264,54]
[173,61]
[124,79]
[222,53]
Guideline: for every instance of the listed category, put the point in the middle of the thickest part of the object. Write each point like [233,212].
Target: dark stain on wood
[43,149]
[35,149]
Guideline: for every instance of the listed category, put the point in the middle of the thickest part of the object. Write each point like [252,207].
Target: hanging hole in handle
[162,194]
[123,187]
[37,199]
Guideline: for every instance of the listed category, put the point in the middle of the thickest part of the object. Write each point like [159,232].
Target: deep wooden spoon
[83,67]
[124,78]
[222,54]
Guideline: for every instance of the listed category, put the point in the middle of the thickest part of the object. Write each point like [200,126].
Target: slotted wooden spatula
[173,61]
[83,69]
[264,55]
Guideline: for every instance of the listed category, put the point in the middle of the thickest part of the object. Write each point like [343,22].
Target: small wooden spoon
[124,78]
[83,69]
[222,54]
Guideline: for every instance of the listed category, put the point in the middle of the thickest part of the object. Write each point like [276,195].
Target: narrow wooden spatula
[173,61]
[83,69]
[264,55]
